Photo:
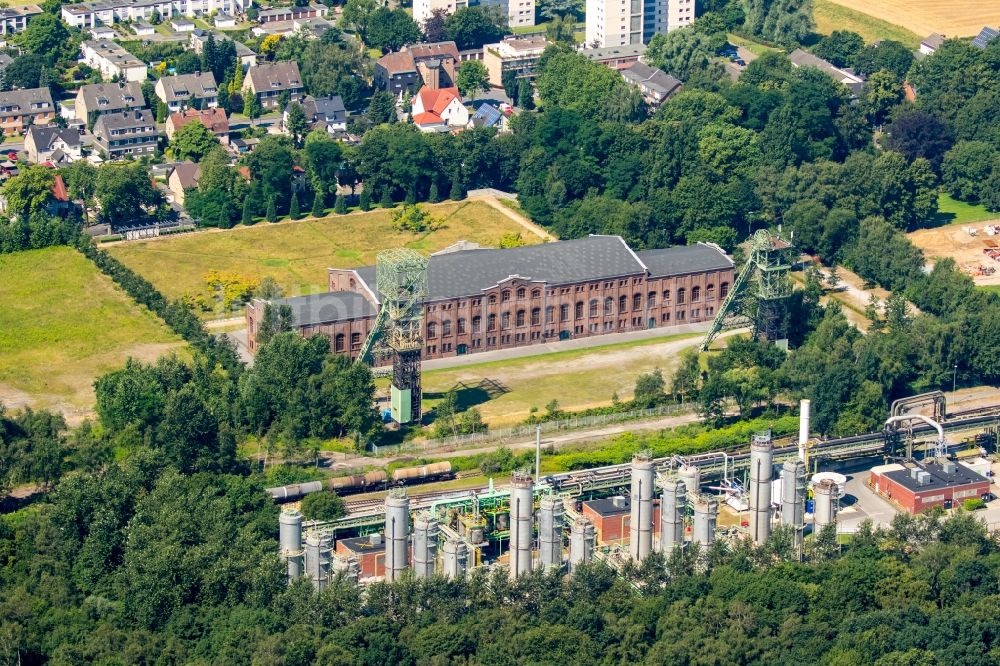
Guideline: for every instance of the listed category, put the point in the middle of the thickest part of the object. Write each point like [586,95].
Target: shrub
[323,506]
[973,504]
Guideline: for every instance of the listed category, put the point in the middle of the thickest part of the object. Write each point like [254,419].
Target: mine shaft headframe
[401,279]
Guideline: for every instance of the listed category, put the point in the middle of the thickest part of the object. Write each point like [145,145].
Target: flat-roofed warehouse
[485,299]
[918,487]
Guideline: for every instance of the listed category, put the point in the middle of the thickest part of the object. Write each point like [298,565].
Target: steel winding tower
[401,279]
[760,290]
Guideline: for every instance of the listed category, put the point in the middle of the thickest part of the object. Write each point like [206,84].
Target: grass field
[297,254]
[63,323]
[505,391]
[751,45]
[850,15]
[921,17]
[952,211]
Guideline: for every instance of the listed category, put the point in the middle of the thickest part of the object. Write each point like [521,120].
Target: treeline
[184,568]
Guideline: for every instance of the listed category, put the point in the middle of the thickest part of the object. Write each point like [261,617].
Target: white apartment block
[519,12]
[108,12]
[620,22]
[112,60]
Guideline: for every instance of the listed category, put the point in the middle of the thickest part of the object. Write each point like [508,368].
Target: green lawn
[297,254]
[952,211]
[63,323]
[754,47]
[830,16]
[505,391]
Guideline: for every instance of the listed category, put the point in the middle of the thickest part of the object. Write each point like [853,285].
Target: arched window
[493,299]
[536,293]
[477,324]
[636,301]
[651,299]
[623,303]
[666,296]
[520,317]
[355,340]
[506,295]
[550,314]
[579,309]
[723,289]
[695,294]
[609,305]
[564,311]
[520,293]
[446,327]
[593,307]
[338,342]
[460,326]
[505,320]
[680,295]
[491,322]
[709,292]
[431,330]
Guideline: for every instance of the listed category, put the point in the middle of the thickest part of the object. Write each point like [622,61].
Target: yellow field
[297,254]
[952,19]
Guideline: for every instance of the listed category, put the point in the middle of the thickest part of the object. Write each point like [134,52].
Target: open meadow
[297,254]
[62,324]
[922,17]
[833,15]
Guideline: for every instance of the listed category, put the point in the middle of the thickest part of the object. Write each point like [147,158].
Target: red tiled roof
[214,119]
[436,101]
[427,118]
[59,190]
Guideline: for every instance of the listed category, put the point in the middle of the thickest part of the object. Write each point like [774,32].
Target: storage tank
[672,515]
[641,520]
[317,559]
[825,506]
[397,534]
[455,559]
[839,479]
[521,510]
[582,538]
[793,496]
[706,511]
[761,472]
[551,514]
[425,541]
[691,476]
[421,472]
[290,540]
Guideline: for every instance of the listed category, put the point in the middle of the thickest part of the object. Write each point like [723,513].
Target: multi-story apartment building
[433,65]
[484,299]
[197,90]
[93,99]
[614,23]
[112,61]
[127,134]
[519,55]
[519,12]
[269,80]
[21,108]
[108,12]
[15,19]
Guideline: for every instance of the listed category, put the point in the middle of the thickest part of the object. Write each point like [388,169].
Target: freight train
[369,482]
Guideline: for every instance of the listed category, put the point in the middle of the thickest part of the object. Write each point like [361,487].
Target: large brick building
[485,299]
[918,487]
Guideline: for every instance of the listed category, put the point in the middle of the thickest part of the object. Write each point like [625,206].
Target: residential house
[931,43]
[406,71]
[439,110]
[185,175]
[21,108]
[488,115]
[656,85]
[196,90]
[108,12]
[801,58]
[126,134]
[268,81]
[15,19]
[516,54]
[113,61]
[325,113]
[985,36]
[243,52]
[277,14]
[93,99]
[615,57]
[213,119]
[55,145]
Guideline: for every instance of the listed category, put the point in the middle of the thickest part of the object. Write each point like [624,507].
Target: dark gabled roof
[185,86]
[684,259]
[934,40]
[114,95]
[639,73]
[23,99]
[125,120]
[985,36]
[44,135]
[281,75]
[327,307]
[322,108]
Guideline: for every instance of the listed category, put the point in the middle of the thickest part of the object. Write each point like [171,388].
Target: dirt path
[530,226]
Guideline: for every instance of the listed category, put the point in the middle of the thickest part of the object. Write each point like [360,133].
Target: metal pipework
[290,540]
[672,515]
[761,472]
[317,559]
[425,542]
[706,512]
[641,525]
[690,475]
[582,537]
[397,535]
[825,504]
[805,406]
[793,490]
[455,558]
[551,515]
[346,567]
[521,512]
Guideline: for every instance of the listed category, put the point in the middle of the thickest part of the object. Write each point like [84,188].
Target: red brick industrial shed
[920,487]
